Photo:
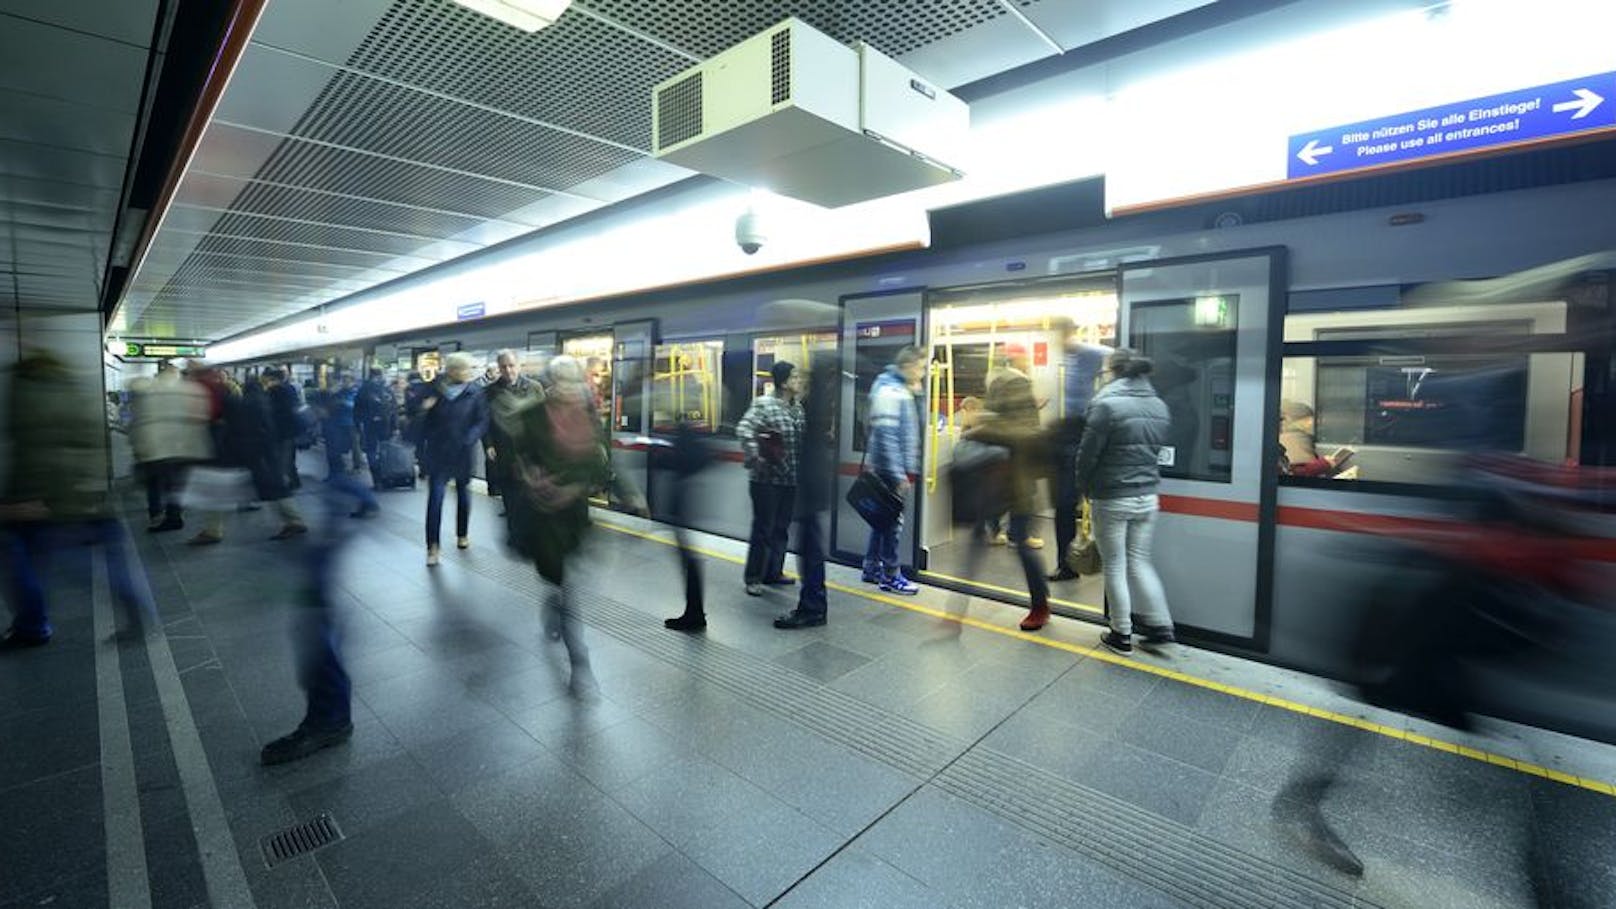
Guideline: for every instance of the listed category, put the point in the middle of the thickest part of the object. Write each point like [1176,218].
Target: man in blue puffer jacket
[893,452]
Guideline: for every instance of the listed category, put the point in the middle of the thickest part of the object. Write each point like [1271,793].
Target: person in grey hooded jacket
[1117,468]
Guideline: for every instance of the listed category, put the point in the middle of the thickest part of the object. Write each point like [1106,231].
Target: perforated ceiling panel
[895,27]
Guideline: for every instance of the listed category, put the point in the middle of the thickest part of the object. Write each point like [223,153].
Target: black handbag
[874,499]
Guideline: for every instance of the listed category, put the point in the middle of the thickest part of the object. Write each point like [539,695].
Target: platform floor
[911,753]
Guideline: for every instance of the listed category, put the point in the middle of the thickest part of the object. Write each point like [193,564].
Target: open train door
[1212,324]
[874,328]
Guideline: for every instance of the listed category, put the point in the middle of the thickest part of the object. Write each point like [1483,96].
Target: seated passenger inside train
[1300,457]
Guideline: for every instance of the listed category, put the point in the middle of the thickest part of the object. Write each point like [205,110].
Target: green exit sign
[163,351]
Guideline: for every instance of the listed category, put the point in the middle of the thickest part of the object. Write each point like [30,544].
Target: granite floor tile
[52,832]
[1158,784]
[471,756]
[672,882]
[821,661]
[396,862]
[369,796]
[855,879]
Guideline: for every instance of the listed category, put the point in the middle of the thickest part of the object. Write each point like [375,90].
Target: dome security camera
[749,233]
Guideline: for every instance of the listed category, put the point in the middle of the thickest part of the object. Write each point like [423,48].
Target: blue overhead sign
[471,311]
[1477,124]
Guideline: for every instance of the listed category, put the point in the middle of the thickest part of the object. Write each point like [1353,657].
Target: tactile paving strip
[1170,856]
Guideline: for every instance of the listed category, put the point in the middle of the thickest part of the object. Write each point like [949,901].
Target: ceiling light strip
[631,31]
[1010,7]
[257,181]
[334,226]
[454,99]
[399,160]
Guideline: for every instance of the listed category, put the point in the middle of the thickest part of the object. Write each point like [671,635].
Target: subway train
[1358,322]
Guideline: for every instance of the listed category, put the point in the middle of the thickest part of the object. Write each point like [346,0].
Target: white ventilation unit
[796,112]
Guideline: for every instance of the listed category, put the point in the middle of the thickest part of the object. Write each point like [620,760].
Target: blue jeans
[1123,529]
[317,636]
[338,441]
[811,563]
[881,555]
[31,547]
[437,487]
[345,484]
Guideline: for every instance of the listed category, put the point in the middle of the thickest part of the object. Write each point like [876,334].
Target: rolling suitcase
[394,467]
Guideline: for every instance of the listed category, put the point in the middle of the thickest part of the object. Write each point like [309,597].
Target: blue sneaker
[900,584]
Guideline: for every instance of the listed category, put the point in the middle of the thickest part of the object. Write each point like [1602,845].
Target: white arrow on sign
[1584,105]
[1312,151]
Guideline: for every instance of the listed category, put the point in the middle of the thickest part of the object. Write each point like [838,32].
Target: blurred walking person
[1117,468]
[892,452]
[687,456]
[559,457]
[56,494]
[1010,420]
[1082,364]
[815,479]
[169,432]
[770,433]
[289,415]
[454,417]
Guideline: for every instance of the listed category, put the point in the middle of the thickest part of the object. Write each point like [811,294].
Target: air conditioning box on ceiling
[794,111]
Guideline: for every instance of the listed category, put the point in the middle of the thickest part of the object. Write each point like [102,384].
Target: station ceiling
[361,141]
[71,78]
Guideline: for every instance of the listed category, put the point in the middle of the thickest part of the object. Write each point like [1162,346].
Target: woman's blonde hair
[460,361]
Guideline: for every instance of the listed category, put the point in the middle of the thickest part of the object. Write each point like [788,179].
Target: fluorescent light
[527,15]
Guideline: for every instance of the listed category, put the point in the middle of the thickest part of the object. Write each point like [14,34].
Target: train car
[1342,316]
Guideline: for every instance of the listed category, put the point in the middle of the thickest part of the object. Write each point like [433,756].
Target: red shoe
[1037,617]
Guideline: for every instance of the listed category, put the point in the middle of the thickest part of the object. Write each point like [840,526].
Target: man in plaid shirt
[771,440]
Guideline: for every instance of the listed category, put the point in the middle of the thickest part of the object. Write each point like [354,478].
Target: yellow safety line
[1098,652]
[986,586]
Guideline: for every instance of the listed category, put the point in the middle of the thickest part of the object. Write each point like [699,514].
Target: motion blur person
[771,436]
[559,457]
[170,432]
[681,461]
[317,631]
[815,480]
[1117,468]
[337,426]
[1010,420]
[56,494]
[508,391]
[453,418]
[1082,364]
[1296,439]
[892,452]
[255,435]
[1502,607]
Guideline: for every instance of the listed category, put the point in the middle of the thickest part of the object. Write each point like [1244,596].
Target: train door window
[1192,343]
[976,335]
[594,353]
[876,345]
[628,378]
[687,385]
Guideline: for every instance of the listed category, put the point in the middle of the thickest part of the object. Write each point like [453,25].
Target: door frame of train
[646,331]
[1278,289]
[847,354]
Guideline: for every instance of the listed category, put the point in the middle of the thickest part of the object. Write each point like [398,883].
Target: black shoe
[781,581]
[303,742]
[166,525]
[686,622]
[1065,574]
[14,640]
[796,618]
[369,511]
[1154,636]
[1117,643]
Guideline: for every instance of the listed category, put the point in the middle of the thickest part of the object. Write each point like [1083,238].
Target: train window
[595,353]
[687,385]
[1399,394]
[797,349]
[1192,342]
